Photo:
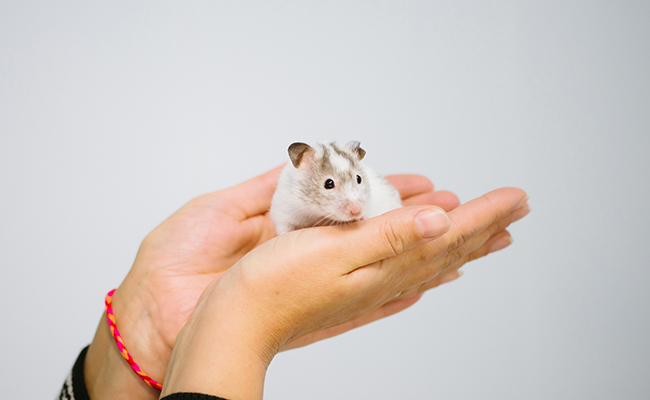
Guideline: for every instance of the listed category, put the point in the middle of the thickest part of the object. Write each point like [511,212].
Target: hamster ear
[300,154]
[356,149]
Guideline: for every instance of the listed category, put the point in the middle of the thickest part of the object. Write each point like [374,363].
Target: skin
[309,280]
[188,255]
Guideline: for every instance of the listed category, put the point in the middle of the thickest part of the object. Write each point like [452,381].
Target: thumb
[392,233]
[252,197]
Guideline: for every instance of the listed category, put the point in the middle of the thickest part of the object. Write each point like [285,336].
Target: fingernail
[431,223]
[519,214]
[522,202]
[501,244]
[451,277]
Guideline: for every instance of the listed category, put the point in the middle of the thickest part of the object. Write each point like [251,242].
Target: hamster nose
[354,209]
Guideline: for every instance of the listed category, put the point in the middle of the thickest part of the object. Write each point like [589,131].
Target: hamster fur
[328,185]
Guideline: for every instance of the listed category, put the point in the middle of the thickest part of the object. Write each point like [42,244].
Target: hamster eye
[358,179]
[329,184]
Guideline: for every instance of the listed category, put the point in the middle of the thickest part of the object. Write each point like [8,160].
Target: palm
[207,236]
[192,248]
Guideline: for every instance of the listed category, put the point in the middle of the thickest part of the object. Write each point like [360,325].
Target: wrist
[107,374]
[220,352]
[136,320]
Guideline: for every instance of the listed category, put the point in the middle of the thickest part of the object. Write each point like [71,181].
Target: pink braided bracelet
[122,348]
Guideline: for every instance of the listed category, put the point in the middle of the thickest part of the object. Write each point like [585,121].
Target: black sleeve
[191,396]
[74,387]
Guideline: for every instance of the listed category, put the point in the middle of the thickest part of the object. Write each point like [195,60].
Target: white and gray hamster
[328,185]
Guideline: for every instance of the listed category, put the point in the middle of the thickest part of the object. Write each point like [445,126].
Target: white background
[113,115]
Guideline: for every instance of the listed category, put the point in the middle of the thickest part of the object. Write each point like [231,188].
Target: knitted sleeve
[74,387]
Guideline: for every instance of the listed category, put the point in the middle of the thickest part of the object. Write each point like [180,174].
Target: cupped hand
[196,246]
[315,279]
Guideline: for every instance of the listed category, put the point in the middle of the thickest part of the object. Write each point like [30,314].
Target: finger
[383,311]
[474,222]
[253,197]
[454,259]
[469,231]
[387,309]
[410,185]
[492,239]
[368,241]
[418,190]
[447,277]
[483,237]
[474,217]
[498,241]
[443,199]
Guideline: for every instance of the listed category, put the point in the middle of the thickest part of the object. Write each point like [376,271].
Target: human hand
[310,280]
[415,190]
[186,252]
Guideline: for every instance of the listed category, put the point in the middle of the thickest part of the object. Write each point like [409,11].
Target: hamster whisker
[325,218]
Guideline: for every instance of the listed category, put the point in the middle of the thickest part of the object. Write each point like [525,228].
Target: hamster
[328,185]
